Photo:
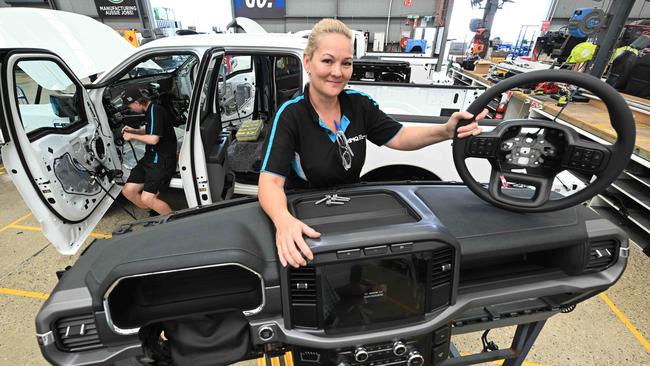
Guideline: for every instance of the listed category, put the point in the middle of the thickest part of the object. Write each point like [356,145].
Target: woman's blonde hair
[326,26]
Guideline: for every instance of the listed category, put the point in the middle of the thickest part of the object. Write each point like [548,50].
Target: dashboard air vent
[602,254]
[442,265]
[303,297]
[303,286]
[442,270]
[77,333]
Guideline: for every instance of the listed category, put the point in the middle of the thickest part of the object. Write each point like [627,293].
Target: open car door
[202,159]
[59,154]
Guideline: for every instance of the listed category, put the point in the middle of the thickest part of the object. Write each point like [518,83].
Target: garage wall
[363,15]
[88,8]
[565,8]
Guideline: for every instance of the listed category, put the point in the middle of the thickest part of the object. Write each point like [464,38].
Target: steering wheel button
[529,140]
[597,156]
[577,154]
[525,150]
[523,161]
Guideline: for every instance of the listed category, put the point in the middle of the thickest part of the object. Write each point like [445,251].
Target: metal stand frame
[522,342]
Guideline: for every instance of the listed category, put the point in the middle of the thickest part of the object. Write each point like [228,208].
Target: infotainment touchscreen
[360,294]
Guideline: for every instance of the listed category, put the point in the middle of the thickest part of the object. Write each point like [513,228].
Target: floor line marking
[36,228]
[21,293]
[275,361]
[644,342]
[16,222]
[288,359]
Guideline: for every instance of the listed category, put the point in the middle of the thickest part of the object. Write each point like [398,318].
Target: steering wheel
[532,151]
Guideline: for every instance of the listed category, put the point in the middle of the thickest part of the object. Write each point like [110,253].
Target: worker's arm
[417,137]
[137,131]
[145,139]
[288,229]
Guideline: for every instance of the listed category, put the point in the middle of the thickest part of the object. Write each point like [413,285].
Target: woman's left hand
[471,129]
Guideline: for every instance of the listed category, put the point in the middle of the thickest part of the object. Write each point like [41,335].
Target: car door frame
[192,160]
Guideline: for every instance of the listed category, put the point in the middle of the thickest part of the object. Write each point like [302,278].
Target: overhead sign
[117,8]
[260,9]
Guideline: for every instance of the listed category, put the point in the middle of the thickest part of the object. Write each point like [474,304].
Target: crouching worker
[156,168]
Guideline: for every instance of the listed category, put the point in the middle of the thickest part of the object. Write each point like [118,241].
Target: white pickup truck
[60,137]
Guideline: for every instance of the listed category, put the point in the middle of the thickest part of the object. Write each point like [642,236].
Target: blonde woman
[318,139]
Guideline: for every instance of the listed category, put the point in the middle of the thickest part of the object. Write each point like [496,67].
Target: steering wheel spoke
[499,188]
[587,158]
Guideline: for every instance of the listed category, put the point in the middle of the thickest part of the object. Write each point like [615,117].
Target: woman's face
[331,64]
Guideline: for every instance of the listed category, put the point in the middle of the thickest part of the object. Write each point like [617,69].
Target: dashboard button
[350,253]
[382,249]
[401,247]
[440,353]
[441,336]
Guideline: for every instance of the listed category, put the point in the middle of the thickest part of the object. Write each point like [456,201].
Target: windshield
[157,65]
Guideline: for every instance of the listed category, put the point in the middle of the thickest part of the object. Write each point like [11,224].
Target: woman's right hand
[290,243]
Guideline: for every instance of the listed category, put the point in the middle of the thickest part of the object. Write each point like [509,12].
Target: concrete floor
[610,329]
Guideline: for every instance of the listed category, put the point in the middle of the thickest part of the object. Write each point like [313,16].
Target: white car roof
[280,41]
[87,46]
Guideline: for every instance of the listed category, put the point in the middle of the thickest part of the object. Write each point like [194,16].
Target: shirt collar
[344,101]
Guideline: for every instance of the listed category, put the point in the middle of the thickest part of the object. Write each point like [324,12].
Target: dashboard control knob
[360,354]
[266,333]
[415,359]
[399,348]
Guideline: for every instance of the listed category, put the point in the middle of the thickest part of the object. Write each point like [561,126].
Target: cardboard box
[481,67]
[497,59]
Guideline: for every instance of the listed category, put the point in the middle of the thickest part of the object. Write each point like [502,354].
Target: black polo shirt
[159,123]
[303,150]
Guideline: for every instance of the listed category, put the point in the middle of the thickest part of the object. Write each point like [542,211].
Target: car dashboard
[398,269]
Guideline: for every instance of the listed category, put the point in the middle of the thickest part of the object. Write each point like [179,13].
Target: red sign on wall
[546,25]
[408,2]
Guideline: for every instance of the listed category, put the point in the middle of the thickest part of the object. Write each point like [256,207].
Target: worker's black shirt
[302,149]
[159,123]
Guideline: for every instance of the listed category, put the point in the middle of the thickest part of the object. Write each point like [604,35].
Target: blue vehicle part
[412,44]
[585,22]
